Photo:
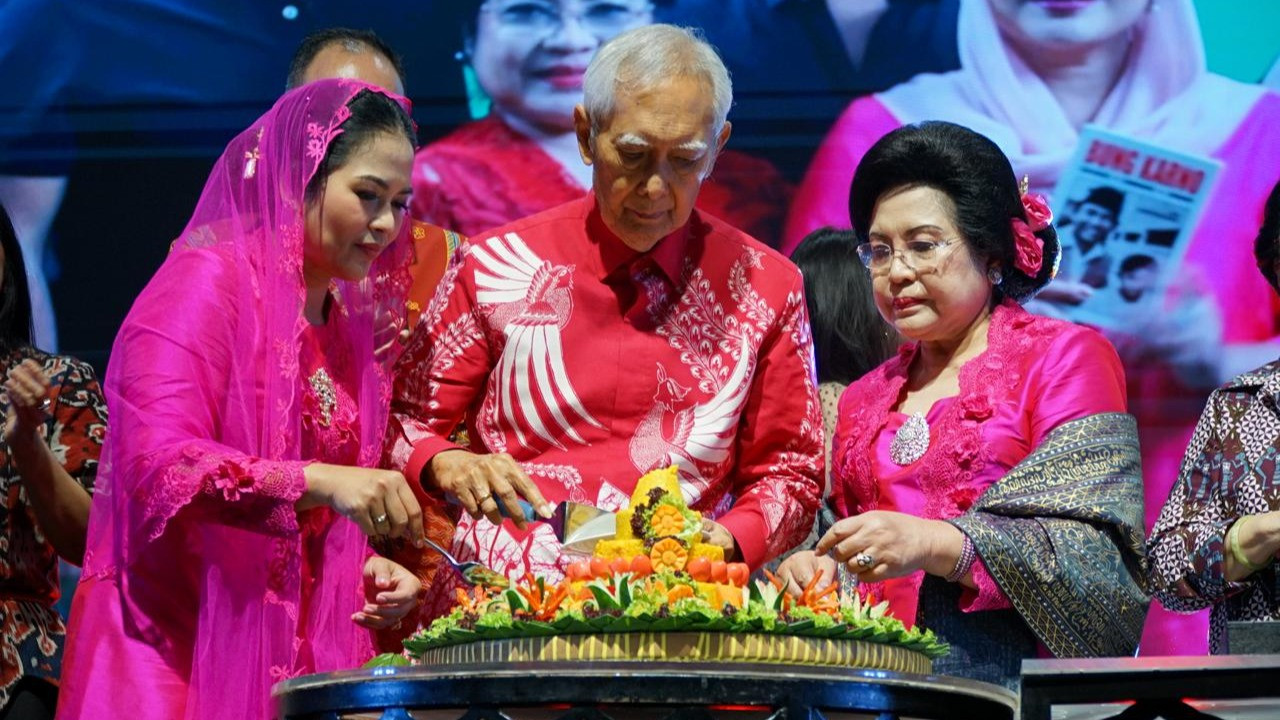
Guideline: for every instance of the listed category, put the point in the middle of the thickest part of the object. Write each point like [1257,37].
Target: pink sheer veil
[252,205]
[219,326]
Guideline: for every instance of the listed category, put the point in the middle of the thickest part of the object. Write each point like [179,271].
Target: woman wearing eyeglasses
[1032,75]
[528,58]
[988,475]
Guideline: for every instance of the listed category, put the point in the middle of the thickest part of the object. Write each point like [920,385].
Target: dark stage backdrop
[132,100]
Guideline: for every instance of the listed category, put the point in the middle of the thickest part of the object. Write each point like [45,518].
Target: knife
[577,526]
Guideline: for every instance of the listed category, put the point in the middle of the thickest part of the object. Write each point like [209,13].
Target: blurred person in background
[796,63]
[55,422]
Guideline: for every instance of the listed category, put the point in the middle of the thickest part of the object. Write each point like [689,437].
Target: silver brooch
[911,441]
[322,386]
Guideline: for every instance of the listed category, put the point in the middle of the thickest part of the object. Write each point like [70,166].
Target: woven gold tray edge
[684,647]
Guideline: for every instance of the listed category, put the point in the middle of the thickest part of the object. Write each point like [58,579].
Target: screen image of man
[1085,257]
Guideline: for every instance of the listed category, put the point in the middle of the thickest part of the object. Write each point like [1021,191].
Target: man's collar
[668,254]
[613,252]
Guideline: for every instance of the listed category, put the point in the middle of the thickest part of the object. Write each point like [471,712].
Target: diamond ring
[44,404]
[380,519]
[864,560]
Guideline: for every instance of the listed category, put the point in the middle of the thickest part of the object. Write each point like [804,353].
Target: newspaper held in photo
[1125,212]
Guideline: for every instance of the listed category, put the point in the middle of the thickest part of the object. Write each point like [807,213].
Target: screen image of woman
[529,58]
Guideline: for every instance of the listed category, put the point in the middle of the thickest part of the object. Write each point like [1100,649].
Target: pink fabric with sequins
[202,585]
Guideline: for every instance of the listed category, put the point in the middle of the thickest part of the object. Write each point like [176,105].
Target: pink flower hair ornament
[1029,249]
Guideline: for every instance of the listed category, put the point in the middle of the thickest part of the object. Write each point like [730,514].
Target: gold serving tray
[684,647]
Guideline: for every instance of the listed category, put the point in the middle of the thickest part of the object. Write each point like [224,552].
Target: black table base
[634,690]
[1152,687]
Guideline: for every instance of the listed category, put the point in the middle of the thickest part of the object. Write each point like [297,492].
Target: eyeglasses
[602,18]
[919,255]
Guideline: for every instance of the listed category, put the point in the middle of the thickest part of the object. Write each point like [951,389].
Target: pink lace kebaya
[202,583]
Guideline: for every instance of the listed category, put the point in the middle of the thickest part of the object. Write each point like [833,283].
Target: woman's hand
[799,568]
[880,544]
[28,391]
[1257,539]
[391,593]
[379,501]
[480,482]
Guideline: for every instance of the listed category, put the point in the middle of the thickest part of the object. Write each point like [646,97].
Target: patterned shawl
[1062,535]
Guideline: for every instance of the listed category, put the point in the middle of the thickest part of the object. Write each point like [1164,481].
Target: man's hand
[481,482]
[713,533]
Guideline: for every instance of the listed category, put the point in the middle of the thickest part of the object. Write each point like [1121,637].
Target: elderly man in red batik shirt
[618,333]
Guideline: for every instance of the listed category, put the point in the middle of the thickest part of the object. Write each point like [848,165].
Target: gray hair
[648,56]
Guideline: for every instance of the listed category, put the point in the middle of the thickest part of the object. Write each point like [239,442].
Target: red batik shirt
[591,364]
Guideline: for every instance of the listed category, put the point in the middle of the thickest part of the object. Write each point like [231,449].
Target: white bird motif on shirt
[533,300]
[702,433]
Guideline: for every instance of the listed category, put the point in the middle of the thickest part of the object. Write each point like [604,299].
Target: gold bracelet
[1233,543]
